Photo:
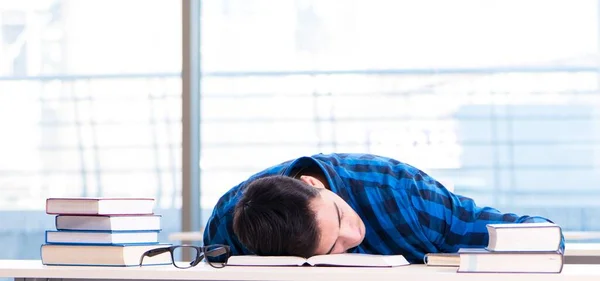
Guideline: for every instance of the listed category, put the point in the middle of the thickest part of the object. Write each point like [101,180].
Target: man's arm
[218,231]
[219,227]
[453,221]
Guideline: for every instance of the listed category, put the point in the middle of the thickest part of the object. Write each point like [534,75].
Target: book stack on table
[512,248]
[517,248]
[102,232]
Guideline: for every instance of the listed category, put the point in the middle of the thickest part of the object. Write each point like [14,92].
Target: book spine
[105,231]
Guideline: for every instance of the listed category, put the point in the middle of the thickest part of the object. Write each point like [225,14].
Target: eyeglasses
[216,255]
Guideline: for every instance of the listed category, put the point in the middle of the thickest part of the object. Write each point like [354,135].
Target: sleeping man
[357,203]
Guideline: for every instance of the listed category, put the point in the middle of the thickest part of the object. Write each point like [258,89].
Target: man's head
[280,215]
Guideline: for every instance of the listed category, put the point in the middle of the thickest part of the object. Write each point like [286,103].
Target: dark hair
[273,217]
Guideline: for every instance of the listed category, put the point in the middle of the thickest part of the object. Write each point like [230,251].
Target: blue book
[101,237]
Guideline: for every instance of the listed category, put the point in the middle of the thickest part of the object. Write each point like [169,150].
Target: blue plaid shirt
[405,211]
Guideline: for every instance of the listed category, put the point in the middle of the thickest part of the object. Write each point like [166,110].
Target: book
[482,260]
[108,222]
[101,237]
[442,259]
[99,206]
[346,259]
[524,237]
[95,255]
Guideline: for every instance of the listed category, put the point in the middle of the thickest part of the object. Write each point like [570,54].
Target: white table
[581,235]
[582,253]
[33,270]
[575,253]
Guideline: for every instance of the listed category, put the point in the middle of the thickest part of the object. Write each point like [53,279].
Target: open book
[347,259]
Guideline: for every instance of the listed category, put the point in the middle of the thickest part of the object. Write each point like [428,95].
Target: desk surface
[581,235]
[583,249]
[34,269]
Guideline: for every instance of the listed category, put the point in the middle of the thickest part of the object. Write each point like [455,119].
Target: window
[505,111]
[497,99]
[90,105]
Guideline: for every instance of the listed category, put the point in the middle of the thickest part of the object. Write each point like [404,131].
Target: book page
[356,259]
[265,260]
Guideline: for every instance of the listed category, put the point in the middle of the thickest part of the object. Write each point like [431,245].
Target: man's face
[339,225]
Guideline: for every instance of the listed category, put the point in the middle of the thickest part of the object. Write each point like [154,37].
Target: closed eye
[338,211]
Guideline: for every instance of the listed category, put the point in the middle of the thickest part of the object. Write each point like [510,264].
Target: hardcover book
[482,260]
[524,237]
[108,222]
[99,206]
[105,255]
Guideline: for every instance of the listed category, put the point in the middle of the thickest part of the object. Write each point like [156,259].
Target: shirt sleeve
[219,226]
[452,221]
[219,230]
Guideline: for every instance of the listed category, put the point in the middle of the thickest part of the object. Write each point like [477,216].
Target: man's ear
[312,181]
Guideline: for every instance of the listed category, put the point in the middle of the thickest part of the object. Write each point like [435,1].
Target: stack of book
[102,232]
[517,248]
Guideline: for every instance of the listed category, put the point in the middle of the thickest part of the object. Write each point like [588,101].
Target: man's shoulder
[218,228]
[366,162]
[358,157]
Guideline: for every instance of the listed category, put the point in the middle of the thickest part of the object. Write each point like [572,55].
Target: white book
[346,259]
[102,237]
[108,222]
[524,237]
[481,260]
[99,206]
[113,255]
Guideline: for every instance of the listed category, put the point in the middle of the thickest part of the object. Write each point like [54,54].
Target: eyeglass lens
[185,256]
[216,255]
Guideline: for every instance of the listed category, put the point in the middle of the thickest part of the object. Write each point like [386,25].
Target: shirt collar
[333,179]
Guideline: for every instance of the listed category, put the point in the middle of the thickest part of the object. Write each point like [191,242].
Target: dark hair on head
[273,217]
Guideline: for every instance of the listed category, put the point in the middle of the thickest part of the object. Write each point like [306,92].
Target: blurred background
[499,100]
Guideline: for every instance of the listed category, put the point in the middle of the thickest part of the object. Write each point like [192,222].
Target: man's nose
[349,238]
